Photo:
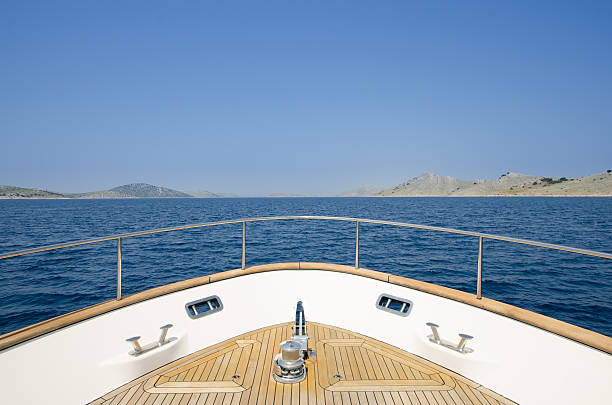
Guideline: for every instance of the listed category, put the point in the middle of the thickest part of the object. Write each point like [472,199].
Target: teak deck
[347,368]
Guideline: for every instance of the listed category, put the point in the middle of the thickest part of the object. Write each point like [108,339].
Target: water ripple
[570,287]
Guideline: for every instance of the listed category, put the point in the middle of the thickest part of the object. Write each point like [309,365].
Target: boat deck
[348,368]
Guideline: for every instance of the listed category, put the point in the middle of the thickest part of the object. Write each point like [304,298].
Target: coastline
[360,196]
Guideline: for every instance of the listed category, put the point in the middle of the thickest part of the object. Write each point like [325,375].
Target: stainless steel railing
[357,221]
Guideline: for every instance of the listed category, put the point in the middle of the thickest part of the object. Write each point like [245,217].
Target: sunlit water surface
[566,286]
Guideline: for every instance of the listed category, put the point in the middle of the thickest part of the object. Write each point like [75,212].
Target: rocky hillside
[208,194]
[362,191]
[595,185]
[499,186]
[428,184]
[20,192]
[135,190]
[508,184]
[425,185]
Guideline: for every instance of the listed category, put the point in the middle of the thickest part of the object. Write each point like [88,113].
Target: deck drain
[235,376]
[337,376]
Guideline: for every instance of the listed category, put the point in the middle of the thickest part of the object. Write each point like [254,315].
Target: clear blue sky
[300,96]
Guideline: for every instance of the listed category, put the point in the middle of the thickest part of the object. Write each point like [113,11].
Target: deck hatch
[395,305]
[202,307]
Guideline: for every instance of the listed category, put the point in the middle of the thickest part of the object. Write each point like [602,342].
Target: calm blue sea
[566,286]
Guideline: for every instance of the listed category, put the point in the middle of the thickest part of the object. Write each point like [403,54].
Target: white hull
[81,362]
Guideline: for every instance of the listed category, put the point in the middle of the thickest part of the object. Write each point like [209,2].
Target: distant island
[507,184]
[425,185]
[135,190]
[279,195]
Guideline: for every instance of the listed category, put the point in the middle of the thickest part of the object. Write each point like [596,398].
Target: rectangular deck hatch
[202,307]
[395,305]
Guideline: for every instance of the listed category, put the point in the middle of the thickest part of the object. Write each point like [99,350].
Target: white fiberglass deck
[84,361]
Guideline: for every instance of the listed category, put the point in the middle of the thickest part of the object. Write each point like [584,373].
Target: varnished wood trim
[254,269]
[576,333]
[50,325]
[376,275]
[549,324]
[186,387]
[388,386]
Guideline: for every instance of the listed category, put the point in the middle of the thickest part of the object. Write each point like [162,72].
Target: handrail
[357,221]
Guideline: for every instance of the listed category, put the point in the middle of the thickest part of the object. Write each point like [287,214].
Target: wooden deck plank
[223,366]
[215,369]
[311,381]
[405,398]
[211,398]
[286,394]
[207,371]
[396,397]
[259,368]
[236,399]
[369,370]
[159,399]
[295,394]
[330,333]
[408,371]
[221,398]
[136,397]
[370,397]
[359,364]
[243,361]
[190,373]
[469,393]
[302,388]
[178,399]
[422,398]
[229,398]
[413,398]
[430,398]
[181,376]
[267,366]
[141,398]
[483,399]
[455,396]
[447,398]
[343,369]
[323,396]
[194,399]
[379,397]
[495,396]
[198,372]
[383,366]
[270,389]
[119,397]
[168,400]
[185,400]
[350,364]
[378,374]
[251,367]
[387,398]
[462,395]
[392,371]
[202,400]
[320,400]
[239,372]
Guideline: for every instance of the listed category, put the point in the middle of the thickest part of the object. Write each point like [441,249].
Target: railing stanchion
[479,285]
[356,244]
[243,245]
[118,268]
